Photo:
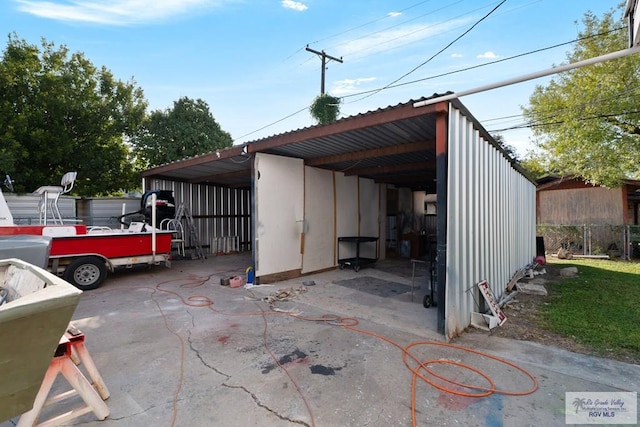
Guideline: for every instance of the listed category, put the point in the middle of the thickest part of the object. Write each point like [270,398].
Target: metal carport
[486,204]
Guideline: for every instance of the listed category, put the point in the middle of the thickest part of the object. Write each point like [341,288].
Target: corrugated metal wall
[24,207]
[490,221]
[105,211]
[222,216]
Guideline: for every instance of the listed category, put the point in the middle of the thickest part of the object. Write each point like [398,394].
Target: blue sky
[247,58]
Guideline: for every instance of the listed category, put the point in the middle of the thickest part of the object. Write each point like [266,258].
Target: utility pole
[323,56]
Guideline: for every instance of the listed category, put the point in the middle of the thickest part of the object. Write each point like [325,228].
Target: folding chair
[49,196]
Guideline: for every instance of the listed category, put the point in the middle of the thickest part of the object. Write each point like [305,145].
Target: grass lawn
[600,307]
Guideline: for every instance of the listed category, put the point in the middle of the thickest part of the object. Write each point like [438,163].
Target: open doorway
[391,241]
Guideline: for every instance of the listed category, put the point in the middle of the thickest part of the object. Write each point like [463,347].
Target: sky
[248,60]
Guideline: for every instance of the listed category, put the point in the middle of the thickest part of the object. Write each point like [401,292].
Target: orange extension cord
[418,370]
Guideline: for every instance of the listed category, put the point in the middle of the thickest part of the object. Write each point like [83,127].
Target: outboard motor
[165,208]
[165,205]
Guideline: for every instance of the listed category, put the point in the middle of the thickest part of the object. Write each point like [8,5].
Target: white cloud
[113,12]
[394,14]
[295,5]
[456,55]
[487,55]
[347,86]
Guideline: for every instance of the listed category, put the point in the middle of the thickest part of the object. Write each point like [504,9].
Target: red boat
[83,255]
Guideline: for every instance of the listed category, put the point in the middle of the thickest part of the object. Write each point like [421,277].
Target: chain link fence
[616,241]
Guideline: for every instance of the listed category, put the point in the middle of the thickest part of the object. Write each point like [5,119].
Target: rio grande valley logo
[601,408]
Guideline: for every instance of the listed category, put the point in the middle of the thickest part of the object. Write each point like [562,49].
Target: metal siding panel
[491,207]
[451,278]
[461,216]
[520,244]
[509,231]
[480,216]
[476,167]
[491,220]
[514,200]
[499,226]
[211,203]
[105,211]
[484,194]
[530,249]
[455,221]
[215,210]
[469,256]
[496,212]
[482,212]
[461,222]
[504,236]
[479,212]
[24,208]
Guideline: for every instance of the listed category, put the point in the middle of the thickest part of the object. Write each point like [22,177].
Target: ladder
[183,212]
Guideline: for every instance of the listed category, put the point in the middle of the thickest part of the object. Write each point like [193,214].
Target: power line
[368,23]
[410,20]
[527,125]
[390,86]
[272,123]
[439,52]
[376,48]
[538,123]
[335,46]
[542,120]
[448,73]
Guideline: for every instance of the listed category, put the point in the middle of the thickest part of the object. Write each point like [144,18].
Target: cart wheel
[426,302]
[356,268]
[341,266]
[86,273]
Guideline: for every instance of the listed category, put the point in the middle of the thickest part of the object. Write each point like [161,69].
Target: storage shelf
[357,261]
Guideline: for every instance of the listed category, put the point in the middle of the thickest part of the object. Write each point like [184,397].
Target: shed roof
[551,182]
[393,145]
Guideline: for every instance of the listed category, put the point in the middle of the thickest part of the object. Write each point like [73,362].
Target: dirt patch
[525,322]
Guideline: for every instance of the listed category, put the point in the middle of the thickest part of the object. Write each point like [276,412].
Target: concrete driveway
[175,348]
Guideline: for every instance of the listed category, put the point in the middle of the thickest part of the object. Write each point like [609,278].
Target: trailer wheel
[86,273]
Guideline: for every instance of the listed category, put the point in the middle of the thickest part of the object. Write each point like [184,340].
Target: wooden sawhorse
[70,352]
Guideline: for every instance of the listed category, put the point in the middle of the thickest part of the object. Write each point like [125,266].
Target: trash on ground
[286,294]
[531,288]
[569,272]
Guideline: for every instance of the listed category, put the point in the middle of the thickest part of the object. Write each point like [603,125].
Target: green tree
[187,129]
[586,121]
[325,108]
[58,113]
[509,149]
[536,164]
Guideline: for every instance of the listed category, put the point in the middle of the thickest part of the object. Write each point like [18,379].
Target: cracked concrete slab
[177,349]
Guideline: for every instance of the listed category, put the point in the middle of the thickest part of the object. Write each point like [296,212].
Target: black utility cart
[430,264]
[357,261]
